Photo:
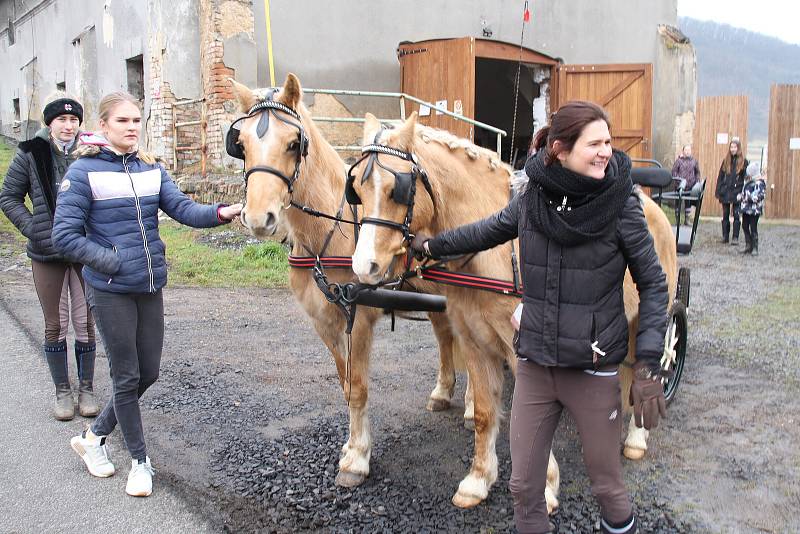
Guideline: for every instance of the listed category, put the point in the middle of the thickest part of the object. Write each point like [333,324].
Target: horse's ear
[403,137]
[244,96]
[292,92]
[371,126]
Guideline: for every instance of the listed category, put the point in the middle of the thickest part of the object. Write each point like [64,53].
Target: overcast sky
[777,18]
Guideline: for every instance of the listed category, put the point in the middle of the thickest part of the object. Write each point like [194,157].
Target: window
[12,32]
[61,86]
[16,109]
[135,68]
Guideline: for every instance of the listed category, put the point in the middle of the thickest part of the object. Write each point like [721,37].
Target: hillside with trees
[736,61]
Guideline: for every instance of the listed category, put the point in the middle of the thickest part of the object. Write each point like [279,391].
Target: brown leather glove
[419,246]
[647,396]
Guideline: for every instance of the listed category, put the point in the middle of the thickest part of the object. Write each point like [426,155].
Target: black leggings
[726,223]
[132,328]
[750,227]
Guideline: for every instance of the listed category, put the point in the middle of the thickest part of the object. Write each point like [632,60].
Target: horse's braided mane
[472,151]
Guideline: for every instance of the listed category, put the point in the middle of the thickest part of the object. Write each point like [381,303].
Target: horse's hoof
[469,424]
[438,405]
[349,480]
[633,454]
[466,501]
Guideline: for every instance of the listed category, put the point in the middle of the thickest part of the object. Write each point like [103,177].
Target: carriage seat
[651,177]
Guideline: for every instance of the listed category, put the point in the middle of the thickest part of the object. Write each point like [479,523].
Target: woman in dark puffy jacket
[114,192]
[580,225]
[36,172]
[729,184]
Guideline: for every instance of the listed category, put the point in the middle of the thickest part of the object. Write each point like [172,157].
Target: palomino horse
[273,159]
[469,183]
[466,183]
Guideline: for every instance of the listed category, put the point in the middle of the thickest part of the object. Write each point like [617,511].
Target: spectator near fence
[729,184]
[687,169]
[752,206]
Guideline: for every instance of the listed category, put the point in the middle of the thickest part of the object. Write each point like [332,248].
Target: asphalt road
[44,486]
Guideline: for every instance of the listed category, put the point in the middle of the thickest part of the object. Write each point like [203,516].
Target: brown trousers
[593,401]
[61,295]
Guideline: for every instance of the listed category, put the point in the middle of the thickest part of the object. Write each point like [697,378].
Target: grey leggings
[132,328]
[540,395]
[59,286]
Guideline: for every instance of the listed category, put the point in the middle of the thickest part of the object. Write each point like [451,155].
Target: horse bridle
[266,108]
[405,185]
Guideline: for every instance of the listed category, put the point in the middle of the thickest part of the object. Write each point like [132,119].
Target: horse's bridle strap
[271,170]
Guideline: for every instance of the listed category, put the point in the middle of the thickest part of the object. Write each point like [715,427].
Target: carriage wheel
[683,286]
[674,348]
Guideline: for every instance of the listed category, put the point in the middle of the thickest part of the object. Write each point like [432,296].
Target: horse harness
[265,108]
[404,193]
[405,184]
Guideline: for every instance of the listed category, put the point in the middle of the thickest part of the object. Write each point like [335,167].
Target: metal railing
[402,97]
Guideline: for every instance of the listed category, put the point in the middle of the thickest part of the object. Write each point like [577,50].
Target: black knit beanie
[62,106]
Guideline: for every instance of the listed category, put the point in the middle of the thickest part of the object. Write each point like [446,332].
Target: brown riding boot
[64,409]
[87,404]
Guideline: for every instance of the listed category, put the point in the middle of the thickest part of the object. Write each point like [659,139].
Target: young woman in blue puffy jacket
[107,219]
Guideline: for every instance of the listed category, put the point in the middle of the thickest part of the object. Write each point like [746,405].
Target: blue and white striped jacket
[107,219]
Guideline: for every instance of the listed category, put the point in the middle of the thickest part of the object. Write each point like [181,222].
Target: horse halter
[405,184]
[266,108]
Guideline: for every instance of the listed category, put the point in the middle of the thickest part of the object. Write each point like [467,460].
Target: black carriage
[658,179]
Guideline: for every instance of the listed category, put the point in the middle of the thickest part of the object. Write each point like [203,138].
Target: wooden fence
[719,120]
[783,156]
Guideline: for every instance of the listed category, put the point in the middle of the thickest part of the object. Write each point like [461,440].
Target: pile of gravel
[261,482]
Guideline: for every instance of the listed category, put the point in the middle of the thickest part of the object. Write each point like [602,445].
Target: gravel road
[247,419]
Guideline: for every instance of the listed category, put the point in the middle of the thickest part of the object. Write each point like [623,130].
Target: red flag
[527,16]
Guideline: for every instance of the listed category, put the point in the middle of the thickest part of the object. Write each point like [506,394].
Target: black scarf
[570,208]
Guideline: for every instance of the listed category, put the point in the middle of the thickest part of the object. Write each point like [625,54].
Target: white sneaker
[140,479]
[94,453]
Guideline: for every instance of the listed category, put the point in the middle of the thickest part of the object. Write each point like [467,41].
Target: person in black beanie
[580,225]
[37,171]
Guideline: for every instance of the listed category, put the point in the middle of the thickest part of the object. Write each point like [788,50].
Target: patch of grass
[191,263]
[11,233]
[778,312]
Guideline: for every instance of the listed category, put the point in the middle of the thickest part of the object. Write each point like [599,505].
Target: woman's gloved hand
[647,396]
[420,246]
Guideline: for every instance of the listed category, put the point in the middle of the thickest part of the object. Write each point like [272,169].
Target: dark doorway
[494,104]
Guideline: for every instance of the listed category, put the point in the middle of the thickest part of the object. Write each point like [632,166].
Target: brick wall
[220,19]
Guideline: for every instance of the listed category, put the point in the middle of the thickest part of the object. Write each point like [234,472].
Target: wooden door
[718,120]
[440,70]
[783,171]
[624,90]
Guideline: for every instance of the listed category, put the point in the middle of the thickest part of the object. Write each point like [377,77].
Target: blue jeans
[132,328]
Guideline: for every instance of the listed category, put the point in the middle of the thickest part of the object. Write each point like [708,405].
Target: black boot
[84,356]
[748,244]
[56,355]
[755,246]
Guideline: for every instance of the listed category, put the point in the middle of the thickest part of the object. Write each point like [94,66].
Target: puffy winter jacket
[573,295]
[116,199]
[729,184]
[33,173]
